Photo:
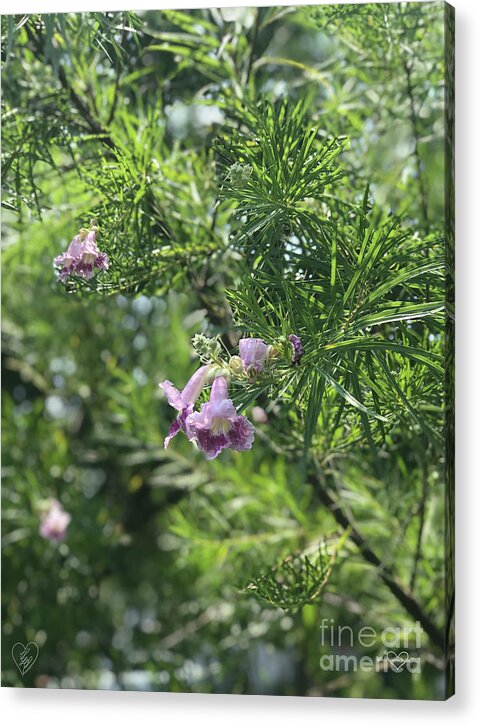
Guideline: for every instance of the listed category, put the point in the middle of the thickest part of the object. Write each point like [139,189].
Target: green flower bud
[206,348]
[273,352]
[238,174]
[236,365]
[252,373]
[221,372]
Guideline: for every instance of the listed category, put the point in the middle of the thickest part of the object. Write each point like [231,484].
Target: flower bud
[252,372]
[218,371]
[238,174]
[206,348]
[272,352]
[223,373]
[236,365]
[297,348]
[253,352]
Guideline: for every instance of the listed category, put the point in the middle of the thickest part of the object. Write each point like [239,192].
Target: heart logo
[25,656]
[397,661]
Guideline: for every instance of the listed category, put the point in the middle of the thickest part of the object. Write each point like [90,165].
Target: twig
[117,81]
[421,525]
[84,111]
[252,47]
[404,597]
[416,151]
[94,126]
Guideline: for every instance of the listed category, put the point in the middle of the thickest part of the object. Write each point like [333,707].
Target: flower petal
[174,429]
[211,445]
[195,385]
[241,434]
[179,424]
[174,397]
[253,352]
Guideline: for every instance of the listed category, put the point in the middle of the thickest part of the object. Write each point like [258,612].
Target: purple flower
[253,352]
[183,401]
[54,522]
[82,257]
[218,426]
[297,348]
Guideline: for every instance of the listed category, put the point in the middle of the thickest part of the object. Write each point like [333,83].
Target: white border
[38,707]
[51,6]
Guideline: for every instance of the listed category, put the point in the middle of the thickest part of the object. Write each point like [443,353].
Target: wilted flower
[297,348]
[82,257]
[254,353]
[54,521]
[183,401]
[259,415]
[218,426]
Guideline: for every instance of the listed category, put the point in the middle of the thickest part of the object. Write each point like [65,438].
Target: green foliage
[295,582]
[253,171]
[289,168]
[346,281]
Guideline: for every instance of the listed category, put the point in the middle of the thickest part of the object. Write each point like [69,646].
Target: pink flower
[82,257]
[253,352]
[259,415]
[218,426]
[183,401]
[54,522]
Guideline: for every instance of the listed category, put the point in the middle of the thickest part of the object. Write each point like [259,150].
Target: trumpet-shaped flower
[183,401]
[54,522]
[82,257]
[254,353]
[217,426]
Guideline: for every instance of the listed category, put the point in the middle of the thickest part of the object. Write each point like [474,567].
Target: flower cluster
[54,521]
[82,257]
[217,425]
[238,174]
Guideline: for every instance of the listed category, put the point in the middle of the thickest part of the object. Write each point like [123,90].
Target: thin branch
[117,81]
[418,159]
[94,126]
[84,111]
[404,597]
[421,512]
[416,150]
[251,57]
